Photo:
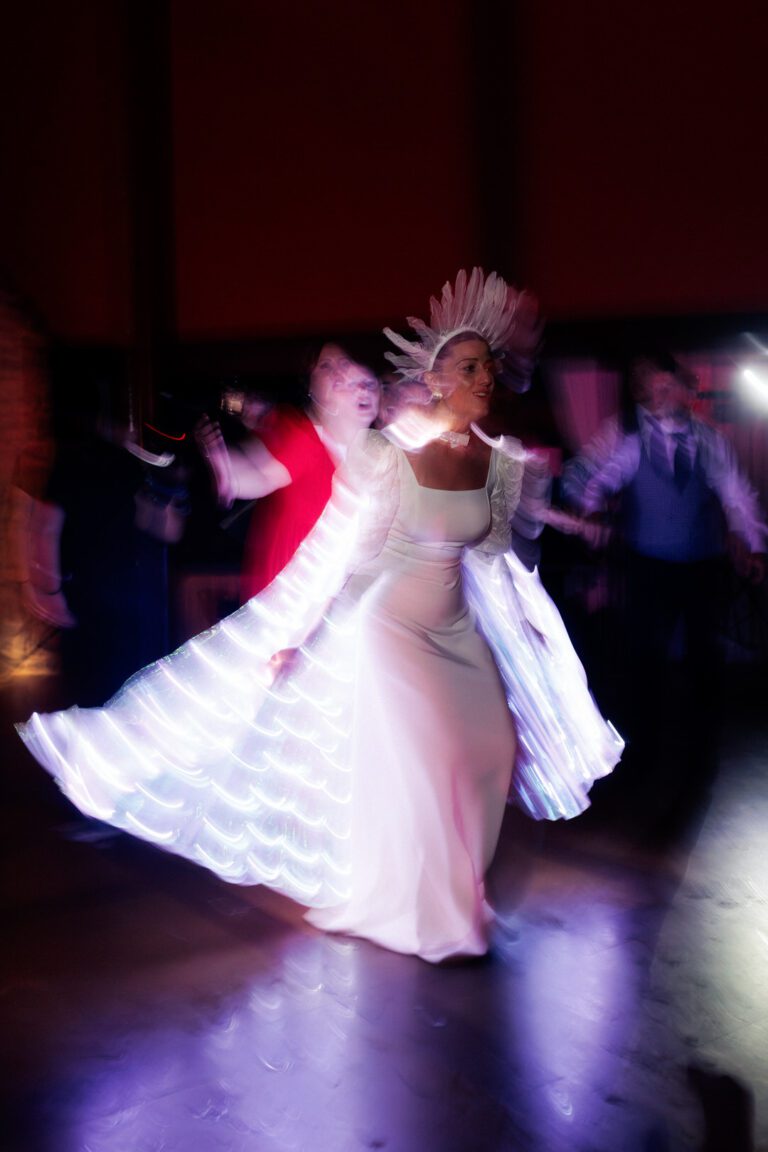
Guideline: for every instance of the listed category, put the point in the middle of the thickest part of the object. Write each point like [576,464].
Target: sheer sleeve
[564,744]
[371,472]
[508,464]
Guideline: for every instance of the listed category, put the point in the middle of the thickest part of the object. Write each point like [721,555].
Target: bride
[430,679]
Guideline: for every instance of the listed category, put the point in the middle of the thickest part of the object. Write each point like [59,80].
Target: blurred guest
[24,464]
[97,555]
[681,498]
[289,465]
[397,395]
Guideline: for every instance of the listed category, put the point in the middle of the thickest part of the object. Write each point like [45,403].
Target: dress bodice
[435,519]
[417,573]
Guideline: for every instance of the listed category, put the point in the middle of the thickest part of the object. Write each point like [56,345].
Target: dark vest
[668,523]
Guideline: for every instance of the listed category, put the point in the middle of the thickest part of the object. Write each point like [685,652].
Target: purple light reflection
[571,1016]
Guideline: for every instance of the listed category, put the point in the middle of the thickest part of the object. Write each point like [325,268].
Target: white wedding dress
[368,780]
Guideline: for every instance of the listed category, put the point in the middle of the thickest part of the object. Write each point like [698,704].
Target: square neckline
[427,488]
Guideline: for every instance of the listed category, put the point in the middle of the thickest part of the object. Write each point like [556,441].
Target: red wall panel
[324,165]
[326,159]
[65,237]
[643,186]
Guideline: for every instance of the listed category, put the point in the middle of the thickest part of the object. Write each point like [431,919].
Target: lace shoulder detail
[508,467]
[369,458]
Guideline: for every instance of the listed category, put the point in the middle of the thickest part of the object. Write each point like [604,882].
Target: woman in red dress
[288,467]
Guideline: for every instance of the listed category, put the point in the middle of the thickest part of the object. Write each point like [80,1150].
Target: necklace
[455,439]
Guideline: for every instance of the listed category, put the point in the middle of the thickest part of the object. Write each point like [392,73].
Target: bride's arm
[509,466]
[371,471]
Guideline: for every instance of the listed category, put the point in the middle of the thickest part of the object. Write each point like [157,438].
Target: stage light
[755,385]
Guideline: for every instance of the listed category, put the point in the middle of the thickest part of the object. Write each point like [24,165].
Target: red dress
[281,521]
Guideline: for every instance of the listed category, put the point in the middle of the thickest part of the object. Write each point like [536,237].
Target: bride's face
[464,376]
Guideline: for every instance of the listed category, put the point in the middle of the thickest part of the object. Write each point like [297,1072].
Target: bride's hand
[283,661]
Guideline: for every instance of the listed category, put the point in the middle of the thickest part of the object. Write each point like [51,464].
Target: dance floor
[147,1007]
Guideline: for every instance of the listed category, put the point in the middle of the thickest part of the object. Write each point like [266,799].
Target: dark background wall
[642,173]
[217,170]
[188,188]
[66,186]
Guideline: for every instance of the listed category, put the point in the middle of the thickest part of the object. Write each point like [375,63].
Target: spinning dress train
[369,779]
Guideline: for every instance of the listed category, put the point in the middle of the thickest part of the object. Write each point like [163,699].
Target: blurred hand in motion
[749,565]
[594,532]
[214,451]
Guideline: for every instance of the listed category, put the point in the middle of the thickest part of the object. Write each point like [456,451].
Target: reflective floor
[146,1006]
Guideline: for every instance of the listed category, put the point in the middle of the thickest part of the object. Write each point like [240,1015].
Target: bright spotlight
[756,386]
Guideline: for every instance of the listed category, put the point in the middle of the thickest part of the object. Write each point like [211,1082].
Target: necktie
[657,446]
[682,464]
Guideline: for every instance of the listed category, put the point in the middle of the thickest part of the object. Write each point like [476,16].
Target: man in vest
[682,507]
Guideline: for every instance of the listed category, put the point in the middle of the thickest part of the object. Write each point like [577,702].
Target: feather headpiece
[486,306]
